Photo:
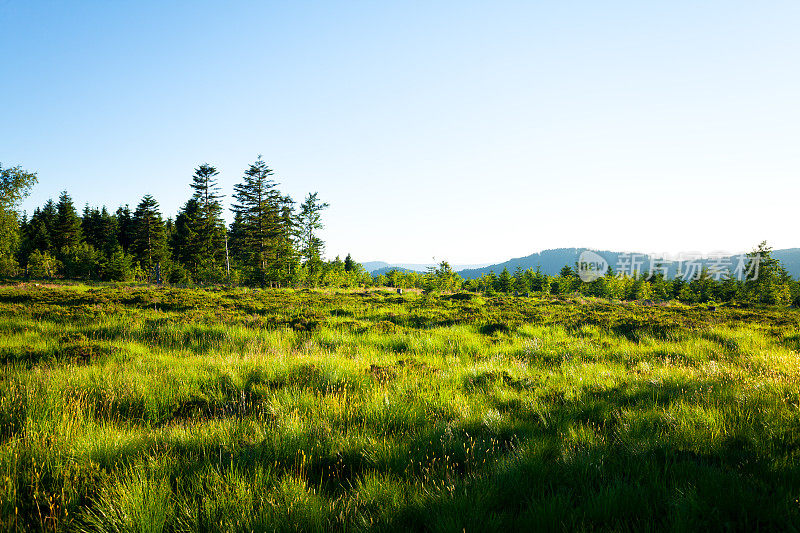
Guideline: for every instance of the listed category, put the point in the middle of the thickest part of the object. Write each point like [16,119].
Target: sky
[464,131]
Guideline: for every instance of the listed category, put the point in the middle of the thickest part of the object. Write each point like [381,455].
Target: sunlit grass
[133,409]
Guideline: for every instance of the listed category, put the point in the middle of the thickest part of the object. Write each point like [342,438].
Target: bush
[178,274]
[688,296]
[42,265]
[8,267]
[118,267]
[81,261]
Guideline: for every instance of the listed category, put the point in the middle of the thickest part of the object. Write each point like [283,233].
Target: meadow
[128,408]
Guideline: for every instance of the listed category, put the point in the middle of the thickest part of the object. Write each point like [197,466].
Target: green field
[141,409]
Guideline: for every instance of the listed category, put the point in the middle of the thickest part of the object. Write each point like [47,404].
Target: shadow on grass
[527,471]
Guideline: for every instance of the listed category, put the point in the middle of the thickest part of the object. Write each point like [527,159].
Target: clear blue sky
[468,131]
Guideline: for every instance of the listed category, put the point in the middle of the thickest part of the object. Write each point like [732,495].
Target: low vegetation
[141,409]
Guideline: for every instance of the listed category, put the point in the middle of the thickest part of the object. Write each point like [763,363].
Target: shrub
[42,265]
[118,267]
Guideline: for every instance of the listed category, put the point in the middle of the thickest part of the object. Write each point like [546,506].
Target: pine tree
[67,230]
[520,280]
[149,243]
[207,223]
[87,223]
[236,236]
[349,264]
[49,215]
[118,266]
[185,241]
[504,282]
[763,285]
[125,226]
[107,231]
[99,229]
[37,233]
[261,213]
[286,257]
[309,221]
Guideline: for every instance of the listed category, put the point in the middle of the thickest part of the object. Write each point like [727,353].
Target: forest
[270,241]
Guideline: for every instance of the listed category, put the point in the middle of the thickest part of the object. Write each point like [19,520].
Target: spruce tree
[286,257]
[349,264]
[149,245]
[94,228]
[107,231]
[261,215]
[49,215]
[38,232]
[520,280]
[185,241]
[504,281]
[763,285]
[87,223]
[208,223]
[125,227]
[309,222]
[67,230]
[236,236]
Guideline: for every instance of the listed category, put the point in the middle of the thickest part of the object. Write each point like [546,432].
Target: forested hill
[552,261]
[377,268]
[385,270]
[790,258]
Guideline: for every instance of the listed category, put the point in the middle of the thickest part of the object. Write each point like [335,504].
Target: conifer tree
[67,230]
[207,223]
[504,282]
[107,230]
[286,257]
[763,285]
[520,281]
[185,241]
[261,215]
[236,232]
[349,264]
[37,233]
[125,226]
[149,246]
[99,229]
[309,222]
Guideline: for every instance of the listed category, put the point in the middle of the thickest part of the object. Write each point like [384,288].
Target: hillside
[382,267]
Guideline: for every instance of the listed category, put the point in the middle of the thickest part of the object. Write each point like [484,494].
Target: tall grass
[133,409]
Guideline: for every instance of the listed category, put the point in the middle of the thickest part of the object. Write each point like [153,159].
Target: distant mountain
[790,258]
[373,266]
[552,261]
[386,270]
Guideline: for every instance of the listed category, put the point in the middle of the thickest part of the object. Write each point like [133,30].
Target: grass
[136,409]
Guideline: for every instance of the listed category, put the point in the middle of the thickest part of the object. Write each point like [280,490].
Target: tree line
[270,242]
[772,286]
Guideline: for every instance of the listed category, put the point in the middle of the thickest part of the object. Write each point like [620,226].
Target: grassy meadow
[143,409]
